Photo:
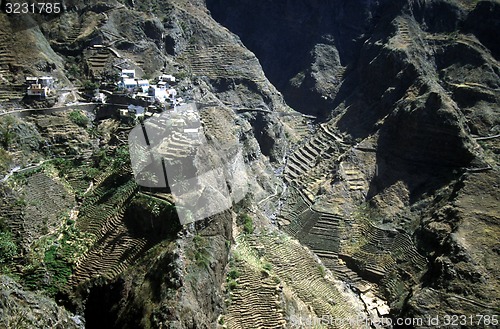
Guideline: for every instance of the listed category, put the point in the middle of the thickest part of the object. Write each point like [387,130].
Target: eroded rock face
[20,308]
[294,40]
[412,83]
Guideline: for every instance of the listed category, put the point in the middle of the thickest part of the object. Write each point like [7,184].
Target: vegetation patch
[78,118]
[247,222]
[199,252]
[267,266]
[8,247]
[55,259]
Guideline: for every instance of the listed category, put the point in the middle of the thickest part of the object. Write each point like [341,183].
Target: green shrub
[267,266]
[202,258]
[232,284]
[74,71]
[7,133]
[5,160]
[52,274]
[8,247]
[89,85]
[233,274]
[121,158]
[58,267]
[91,172]
[247,223]
[79,118]
[321,270]
[201,254]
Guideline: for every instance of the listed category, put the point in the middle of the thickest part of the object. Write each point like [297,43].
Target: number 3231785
[32,8]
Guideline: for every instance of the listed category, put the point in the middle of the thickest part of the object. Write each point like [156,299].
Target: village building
[128,74]
[158,92]
[37,90]
[143,85]
[172,93]
[46,81]
[128,84]
[31,81]
[39,86]
[124,113]
[167,78]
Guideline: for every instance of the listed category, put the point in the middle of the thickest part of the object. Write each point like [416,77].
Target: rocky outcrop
[411,83]
[26,309]
[304,47]
[175,284]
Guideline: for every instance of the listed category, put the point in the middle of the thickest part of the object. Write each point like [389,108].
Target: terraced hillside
[43,201]
[279,281]
[256,299]
[353,248]
[10,90]
[317,156]
[102,215]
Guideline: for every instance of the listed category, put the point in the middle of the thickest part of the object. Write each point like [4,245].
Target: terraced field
[222,60]
[98,61]
[356,251]
[307,165]
[289,265]
[9,90]
[46,202]
[177,146]
[102,215]
[255,301]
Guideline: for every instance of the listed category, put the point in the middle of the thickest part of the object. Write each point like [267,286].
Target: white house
[160,93]
[31,81]
[168,78]
[38,90]
[124,113]
[128,84]
[172,93]
[144,85]
[128,74]
[46,81]
[39,86]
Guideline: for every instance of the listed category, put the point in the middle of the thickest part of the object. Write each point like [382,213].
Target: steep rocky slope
[25,309]
[394,188]
[415,86]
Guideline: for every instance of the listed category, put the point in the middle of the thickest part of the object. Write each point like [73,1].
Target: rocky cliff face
[395,187]
[20,308]
[416,83]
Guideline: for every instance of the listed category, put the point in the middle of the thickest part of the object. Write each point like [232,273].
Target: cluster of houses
[160,92]
[151,96]
[40,87]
